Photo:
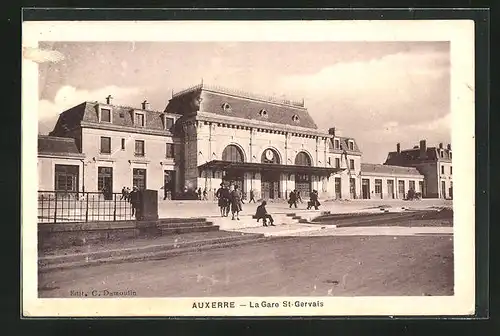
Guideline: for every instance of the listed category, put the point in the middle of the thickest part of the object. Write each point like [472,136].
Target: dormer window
[263,113]
[442,153]
[139,119]
[168,122]
[105,114]
[350,145]
[450,155]
[226,107]
[295,118]
[337,144]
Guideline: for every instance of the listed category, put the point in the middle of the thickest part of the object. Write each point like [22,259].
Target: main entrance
[168,184]
[270,185]
[303,184]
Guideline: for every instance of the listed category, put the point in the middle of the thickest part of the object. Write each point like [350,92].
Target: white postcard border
[460,33]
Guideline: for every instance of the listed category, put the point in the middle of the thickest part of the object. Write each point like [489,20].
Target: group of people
[232,201]
[294,197]
[132,196]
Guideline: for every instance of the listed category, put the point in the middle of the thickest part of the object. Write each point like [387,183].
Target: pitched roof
[120,116]
[56,145]
[242,105]
[344,145]
[388,170]
[411,156]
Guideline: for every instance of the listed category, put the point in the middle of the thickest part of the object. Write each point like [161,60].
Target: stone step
[183,225]
[367,221]
[187,229]
[362,216]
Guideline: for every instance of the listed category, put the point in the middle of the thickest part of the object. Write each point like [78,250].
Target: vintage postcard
[232,168]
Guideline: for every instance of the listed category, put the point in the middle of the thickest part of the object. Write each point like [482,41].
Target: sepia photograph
[207,169]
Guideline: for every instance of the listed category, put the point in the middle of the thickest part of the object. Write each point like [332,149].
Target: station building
[207,135]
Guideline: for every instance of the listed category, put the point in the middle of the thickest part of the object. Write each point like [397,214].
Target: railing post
[55,207]
[114,210]
[86,208]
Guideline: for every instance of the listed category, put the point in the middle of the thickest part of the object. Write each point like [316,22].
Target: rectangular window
[351,164]
[139,119]
[450,155]
[105,145]
[378,186]
[351,145]
[442,170]
[401,189]
[411,185]
[105,179]
[105,115]
[170,151]
[337,144]
[337,163]
[169,122]
[442,155]
[139,178]
[123,144]
[139,147]
[66,177]
[451,170]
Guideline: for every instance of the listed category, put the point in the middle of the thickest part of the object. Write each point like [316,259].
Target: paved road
[295,266]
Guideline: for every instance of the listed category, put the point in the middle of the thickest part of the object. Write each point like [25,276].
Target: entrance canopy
[260,167]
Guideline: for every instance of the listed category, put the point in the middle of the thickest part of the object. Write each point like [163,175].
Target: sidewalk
[186,209]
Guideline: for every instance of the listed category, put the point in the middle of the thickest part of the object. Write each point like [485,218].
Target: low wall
[79,234]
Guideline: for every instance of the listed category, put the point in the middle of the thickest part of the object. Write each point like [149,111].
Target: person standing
[134,200]
[261,213]
[298,196]
[205,194]
[313,202]
[292,198]
[124,194]
[236,202]
[222,198]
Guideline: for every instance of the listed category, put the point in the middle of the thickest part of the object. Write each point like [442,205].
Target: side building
[112,147]
[434,163]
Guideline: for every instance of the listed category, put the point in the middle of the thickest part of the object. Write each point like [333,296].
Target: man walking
[293,198]
[252,196]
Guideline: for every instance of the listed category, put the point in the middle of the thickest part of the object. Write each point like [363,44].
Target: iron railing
[71,207]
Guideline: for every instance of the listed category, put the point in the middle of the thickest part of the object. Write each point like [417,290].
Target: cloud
[69,96]
[42,55]
[409,87]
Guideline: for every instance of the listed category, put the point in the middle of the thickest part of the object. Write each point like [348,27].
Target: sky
[379,93]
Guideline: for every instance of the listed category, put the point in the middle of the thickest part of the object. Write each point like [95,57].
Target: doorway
[270,185]
[105,181]
[235,178]
[352,187]
[365,188]
[401,189]
[443,189]
[303,184]
[390,189]
[169,184]
[338,188]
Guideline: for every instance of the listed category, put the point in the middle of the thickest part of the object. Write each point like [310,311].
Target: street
[292,266]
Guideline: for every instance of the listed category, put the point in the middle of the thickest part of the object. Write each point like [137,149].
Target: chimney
[449,146]
[331,131]
[398,147]
[145,105]
[423,148]
[109,99]
[440,145]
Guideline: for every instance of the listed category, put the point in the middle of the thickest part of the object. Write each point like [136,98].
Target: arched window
[232,153]
[302,159]
[270,156]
